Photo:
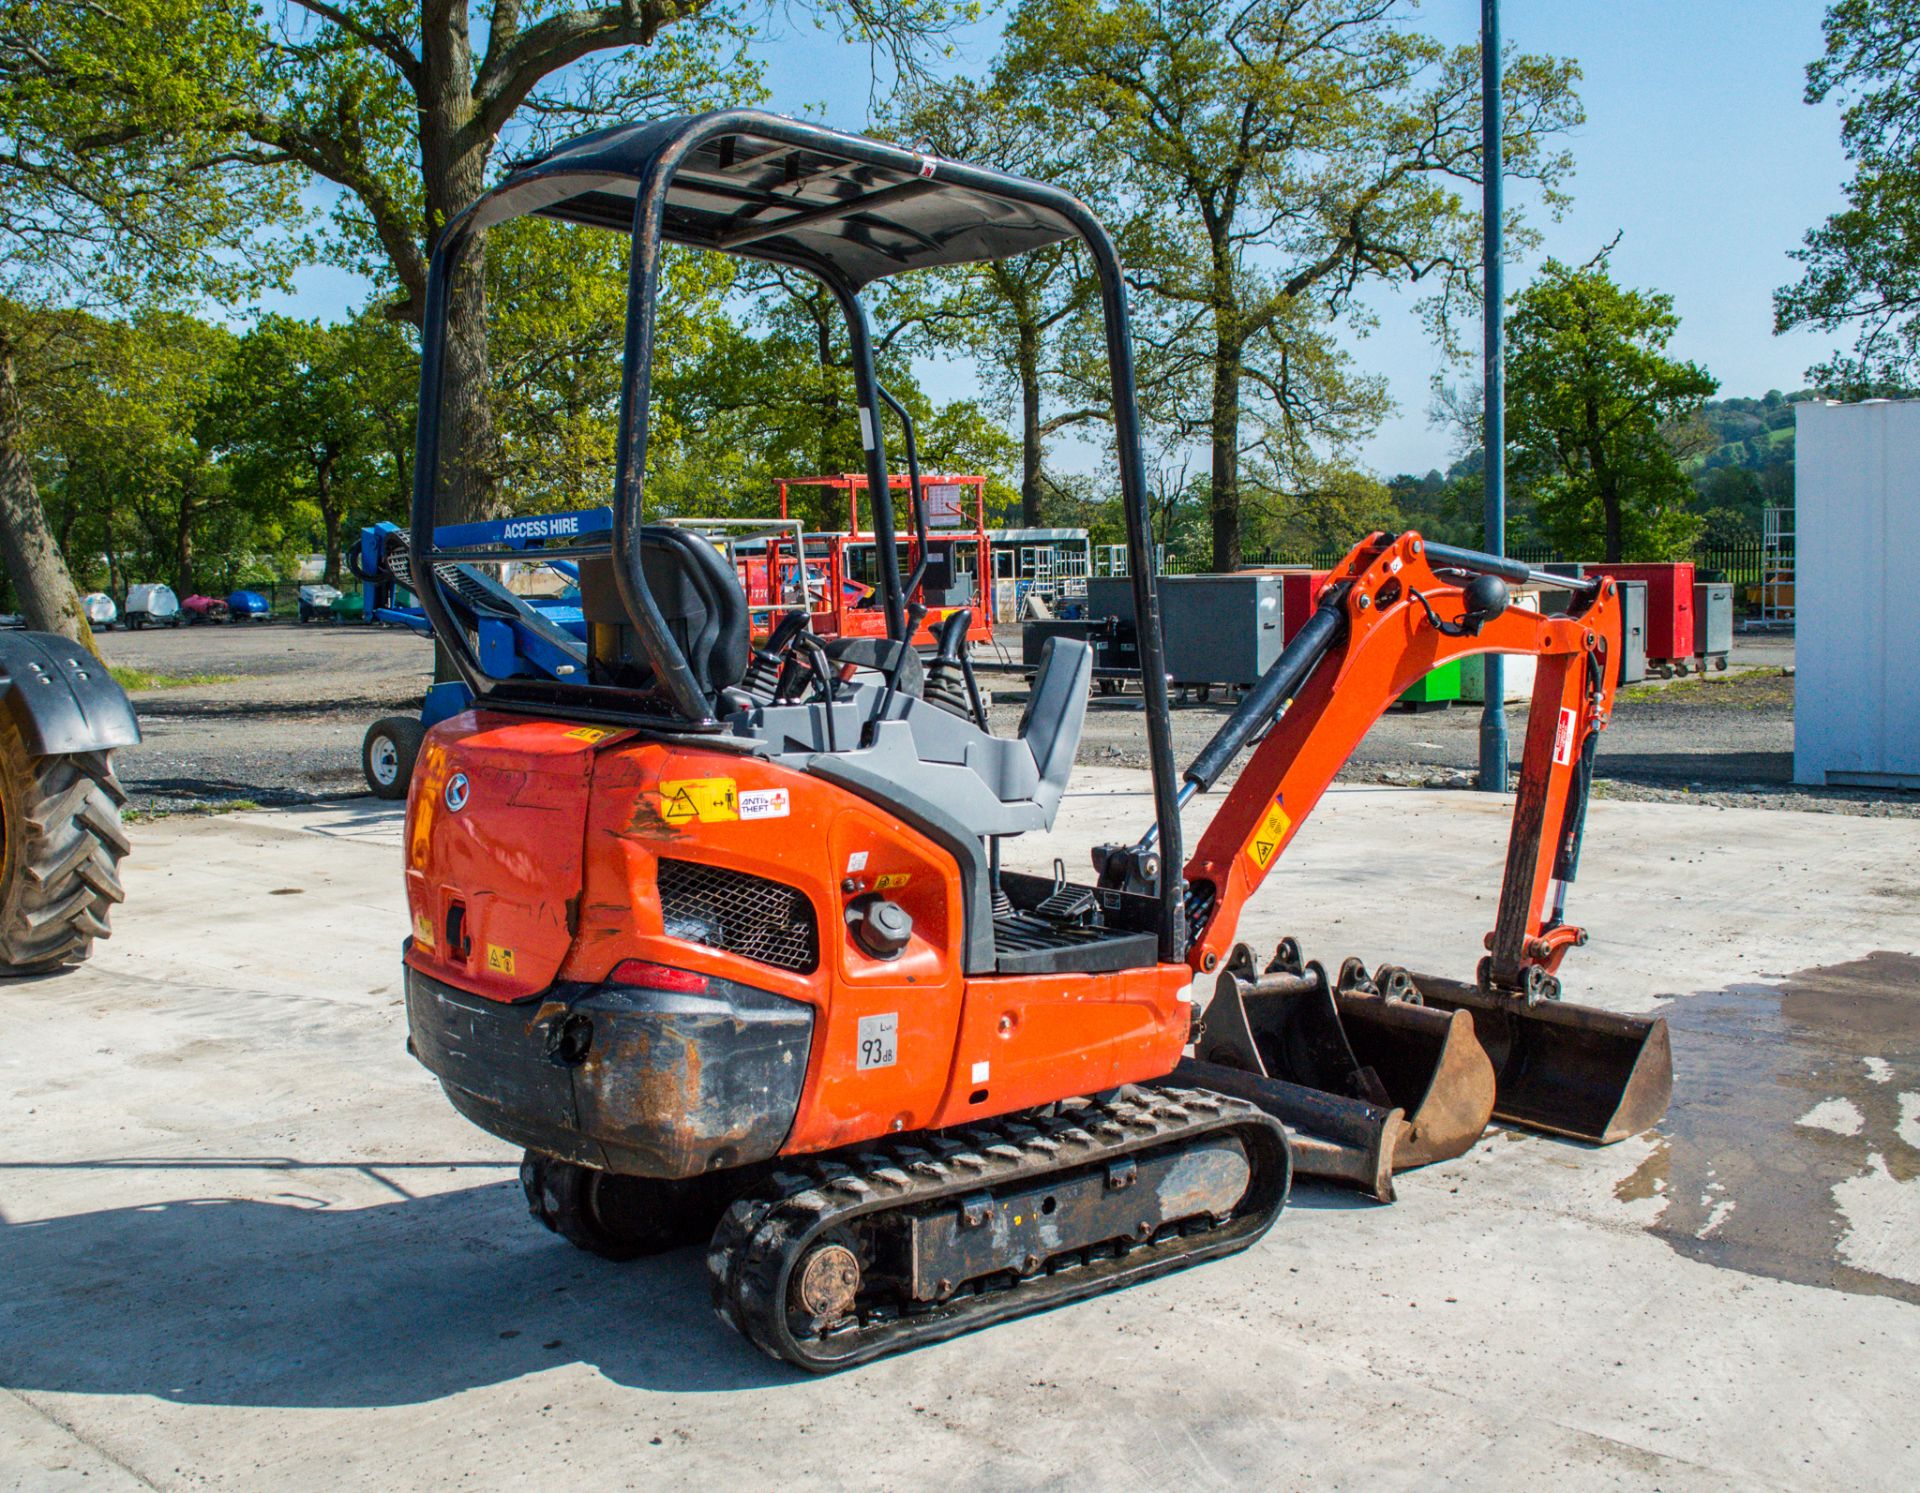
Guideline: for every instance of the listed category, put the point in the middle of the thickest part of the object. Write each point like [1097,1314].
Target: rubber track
[63,875]
[764,1235]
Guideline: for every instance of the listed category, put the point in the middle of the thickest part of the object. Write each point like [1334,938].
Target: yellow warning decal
[423,930]
[587,733]
[499,960]
[1265,843]
[709,800]
[892,880]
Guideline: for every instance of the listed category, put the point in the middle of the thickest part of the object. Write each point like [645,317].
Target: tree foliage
[405,105]
[315,423]
[117,189]
[1275,157]
[1593,401]
[1862,266]
[1031,323]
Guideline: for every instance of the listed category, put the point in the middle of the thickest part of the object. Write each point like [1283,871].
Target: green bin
[1435,690]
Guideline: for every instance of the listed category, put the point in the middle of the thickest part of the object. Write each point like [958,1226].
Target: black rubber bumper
[650,1083]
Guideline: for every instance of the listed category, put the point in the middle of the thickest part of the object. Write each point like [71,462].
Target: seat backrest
[1056,711]
[698,594]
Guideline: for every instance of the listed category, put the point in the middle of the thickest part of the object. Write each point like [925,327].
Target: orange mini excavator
[720,936]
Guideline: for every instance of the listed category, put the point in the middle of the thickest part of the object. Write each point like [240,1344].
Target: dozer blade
[1338,1140]
[1371,1083]
[1567,1069]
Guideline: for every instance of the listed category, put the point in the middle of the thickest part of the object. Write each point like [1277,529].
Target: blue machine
[538,637]
[244,604]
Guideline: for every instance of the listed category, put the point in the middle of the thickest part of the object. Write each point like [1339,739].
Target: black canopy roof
[752,183]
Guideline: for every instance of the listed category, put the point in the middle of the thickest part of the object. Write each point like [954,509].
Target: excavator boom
[1415,1065]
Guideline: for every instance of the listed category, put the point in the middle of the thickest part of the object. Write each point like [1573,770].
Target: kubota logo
[457,792]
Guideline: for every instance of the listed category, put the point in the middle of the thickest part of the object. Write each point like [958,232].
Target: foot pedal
[1066,904]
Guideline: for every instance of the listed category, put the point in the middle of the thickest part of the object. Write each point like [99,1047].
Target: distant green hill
[1746,465]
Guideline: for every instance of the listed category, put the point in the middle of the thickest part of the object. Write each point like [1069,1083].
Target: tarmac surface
[245,1243]
[285,726]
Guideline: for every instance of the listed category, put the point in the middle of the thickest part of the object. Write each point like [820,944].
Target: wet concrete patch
[1792,1148]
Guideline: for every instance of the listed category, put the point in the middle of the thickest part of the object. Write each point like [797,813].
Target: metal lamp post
[1493,711]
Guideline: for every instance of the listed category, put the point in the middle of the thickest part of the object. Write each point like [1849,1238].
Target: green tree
[115,190]
[1862,266]
[405,104]
[1278,156]
[1016,317]
[307,415]
[1592,401]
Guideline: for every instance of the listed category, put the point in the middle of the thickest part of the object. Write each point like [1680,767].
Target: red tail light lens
[646,975]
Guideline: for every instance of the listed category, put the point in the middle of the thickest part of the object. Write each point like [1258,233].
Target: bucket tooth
[1563,1068]
[1370,1085]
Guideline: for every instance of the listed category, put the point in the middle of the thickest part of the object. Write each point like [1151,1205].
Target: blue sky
[1697,150]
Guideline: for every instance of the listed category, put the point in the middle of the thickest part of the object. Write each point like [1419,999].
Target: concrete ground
[245,1243]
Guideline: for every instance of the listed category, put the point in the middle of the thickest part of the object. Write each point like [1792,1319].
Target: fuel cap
[880,927]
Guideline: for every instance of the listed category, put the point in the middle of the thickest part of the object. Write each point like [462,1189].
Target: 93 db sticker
[1267,835]
[878,1046]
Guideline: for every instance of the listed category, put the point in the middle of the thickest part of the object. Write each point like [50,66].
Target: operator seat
[698,594]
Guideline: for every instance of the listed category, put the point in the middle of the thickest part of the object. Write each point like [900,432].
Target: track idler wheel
[826,1285]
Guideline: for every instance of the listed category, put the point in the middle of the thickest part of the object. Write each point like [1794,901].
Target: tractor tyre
[388,752]
[619,1217]
[61,844]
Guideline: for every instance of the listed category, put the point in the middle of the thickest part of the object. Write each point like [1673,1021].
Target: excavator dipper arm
[1395,609]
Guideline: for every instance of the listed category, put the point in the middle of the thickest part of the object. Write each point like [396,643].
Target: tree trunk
[829,387]
[453,173]
[1616,539]
[39,575]
[183,547]
[1027,355]
[1225,440]
[329,517]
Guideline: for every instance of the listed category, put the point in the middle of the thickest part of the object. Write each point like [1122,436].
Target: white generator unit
[151,604]
[1856,717]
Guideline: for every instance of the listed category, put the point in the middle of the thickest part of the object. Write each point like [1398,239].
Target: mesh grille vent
[745,915]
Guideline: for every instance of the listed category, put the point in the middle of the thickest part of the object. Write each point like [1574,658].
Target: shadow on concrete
[214,791]
[401,698]
[1713,769]
[292,1303]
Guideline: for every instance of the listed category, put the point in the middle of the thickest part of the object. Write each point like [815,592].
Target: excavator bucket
[1370,1081]
[1567,1069]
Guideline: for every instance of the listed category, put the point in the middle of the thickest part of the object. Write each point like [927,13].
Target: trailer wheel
[387,754]
[61,844]
[618,1217]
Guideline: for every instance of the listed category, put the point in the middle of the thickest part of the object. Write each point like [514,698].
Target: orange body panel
[554,854]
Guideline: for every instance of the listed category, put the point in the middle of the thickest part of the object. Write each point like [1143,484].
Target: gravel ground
[286,728]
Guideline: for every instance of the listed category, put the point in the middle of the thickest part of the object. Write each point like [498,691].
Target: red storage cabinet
[1670,619]
[1299,591]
